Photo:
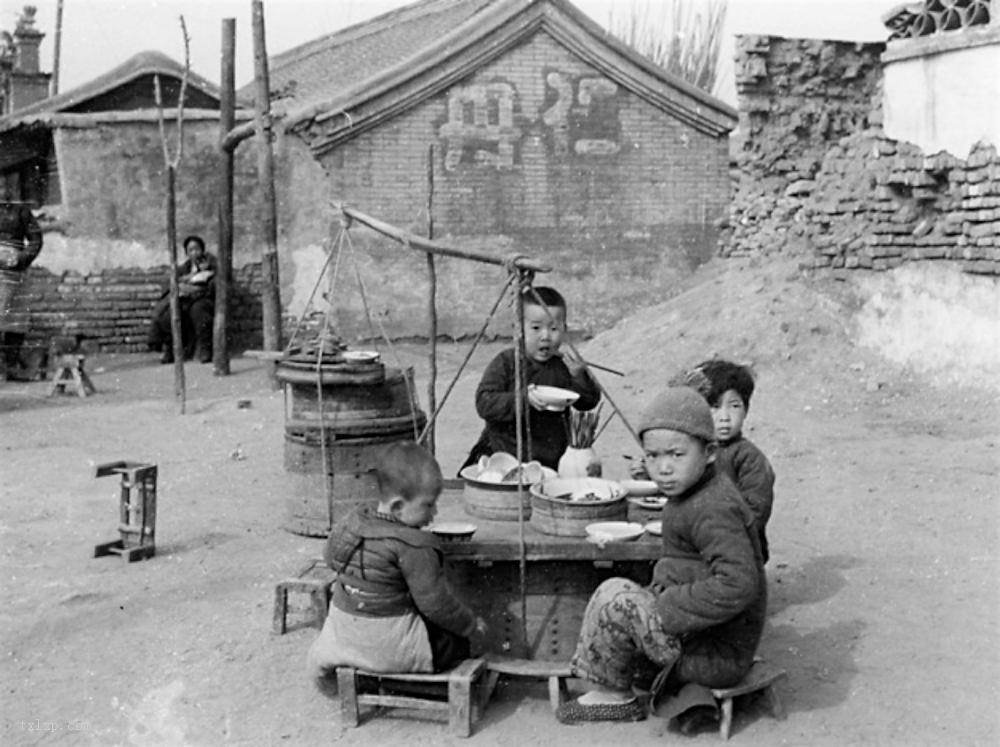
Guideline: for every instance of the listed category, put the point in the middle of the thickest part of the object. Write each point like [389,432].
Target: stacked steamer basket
[339,413]
[565,506]
[491,489]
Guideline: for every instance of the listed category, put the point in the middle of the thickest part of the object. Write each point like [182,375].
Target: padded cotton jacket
[710,583]
[386,568]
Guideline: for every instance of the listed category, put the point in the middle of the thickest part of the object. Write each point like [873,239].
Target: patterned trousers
[621,628]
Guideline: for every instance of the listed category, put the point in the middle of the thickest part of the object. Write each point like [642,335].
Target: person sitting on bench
[701,618]
[196,283]
[392,610]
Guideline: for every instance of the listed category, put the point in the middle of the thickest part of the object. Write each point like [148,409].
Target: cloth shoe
[575,712]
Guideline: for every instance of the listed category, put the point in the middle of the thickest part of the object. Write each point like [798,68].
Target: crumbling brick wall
[109,310]
[817,176]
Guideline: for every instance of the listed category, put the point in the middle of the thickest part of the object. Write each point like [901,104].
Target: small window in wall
[35,180]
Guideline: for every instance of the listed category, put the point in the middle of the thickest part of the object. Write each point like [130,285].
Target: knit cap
[679,408]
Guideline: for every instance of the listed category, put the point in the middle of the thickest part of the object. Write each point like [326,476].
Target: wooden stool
[317,587]
[556,672]
[69,370]
[761,678]
[136,511]
[357,687]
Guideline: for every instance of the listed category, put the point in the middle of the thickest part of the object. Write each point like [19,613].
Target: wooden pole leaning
[435,247]
[270,295]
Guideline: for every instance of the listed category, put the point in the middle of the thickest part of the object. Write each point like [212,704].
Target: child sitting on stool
[545,365]
[392,609]
[701,618]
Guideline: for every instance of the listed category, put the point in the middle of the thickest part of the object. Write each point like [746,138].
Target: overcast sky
[100,34]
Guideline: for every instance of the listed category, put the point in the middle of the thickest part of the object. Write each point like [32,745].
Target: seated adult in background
[196,284]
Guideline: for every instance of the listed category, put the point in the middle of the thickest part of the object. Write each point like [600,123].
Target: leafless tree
[682,36]
[172,162]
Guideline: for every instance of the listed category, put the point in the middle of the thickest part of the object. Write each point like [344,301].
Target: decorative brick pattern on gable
[537,153]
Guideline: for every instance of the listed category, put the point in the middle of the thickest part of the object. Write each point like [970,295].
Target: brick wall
[818,176]
[536,153]
[109,310]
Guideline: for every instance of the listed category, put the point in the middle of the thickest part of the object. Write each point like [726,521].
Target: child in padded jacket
[392,610]
[728,387]
[545,364]
[701,618]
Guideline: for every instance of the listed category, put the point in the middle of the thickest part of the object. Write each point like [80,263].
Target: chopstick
[604,368]
[598,366]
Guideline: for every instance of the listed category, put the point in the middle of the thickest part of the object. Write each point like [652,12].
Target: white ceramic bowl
[603,532]
[652,502]
[639,488]
[581,489]
[532,473]
[453,531]
[555,398]
[360,356]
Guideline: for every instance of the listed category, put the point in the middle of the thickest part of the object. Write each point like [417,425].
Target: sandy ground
[884,572]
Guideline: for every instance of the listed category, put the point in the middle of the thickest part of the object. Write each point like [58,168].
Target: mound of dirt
[766,315]
[796,328]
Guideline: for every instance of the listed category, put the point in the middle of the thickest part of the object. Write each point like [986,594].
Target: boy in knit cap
[728,387]
[701,618]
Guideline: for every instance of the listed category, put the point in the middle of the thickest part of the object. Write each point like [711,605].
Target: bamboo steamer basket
[496,501]
[566,518]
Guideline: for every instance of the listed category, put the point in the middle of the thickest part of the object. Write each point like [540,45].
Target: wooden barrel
[349,416]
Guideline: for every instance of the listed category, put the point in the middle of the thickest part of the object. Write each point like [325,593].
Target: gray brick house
[550,138]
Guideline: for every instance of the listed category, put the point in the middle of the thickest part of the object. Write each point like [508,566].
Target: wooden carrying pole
[432,305]
[270,296]
[224,279]
[434,247]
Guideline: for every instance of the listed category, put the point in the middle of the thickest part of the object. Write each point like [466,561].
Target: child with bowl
[545,365]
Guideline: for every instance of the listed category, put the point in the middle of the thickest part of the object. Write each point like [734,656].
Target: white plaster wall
[944,100]
[935,319]
[60,254]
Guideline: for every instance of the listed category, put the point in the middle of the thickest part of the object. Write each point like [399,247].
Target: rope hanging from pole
[520,273]
[522,279]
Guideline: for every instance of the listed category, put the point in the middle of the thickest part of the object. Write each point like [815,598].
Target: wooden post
[432,302]
[180,387]
[57,50]
[270,296]
[223,282]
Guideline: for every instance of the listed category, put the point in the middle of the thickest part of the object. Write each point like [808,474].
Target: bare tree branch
[684,37]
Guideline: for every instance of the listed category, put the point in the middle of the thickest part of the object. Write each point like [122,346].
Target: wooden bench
[761,678]
[556,672]
[458,696]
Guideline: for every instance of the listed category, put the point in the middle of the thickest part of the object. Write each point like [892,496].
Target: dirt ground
[884,572]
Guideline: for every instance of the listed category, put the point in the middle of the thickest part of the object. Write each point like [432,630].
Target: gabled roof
[352,80]
[142,64]
[320,69]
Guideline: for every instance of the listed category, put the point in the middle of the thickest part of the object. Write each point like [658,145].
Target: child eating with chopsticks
[546,436]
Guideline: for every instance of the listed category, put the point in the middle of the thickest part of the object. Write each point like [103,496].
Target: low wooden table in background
[561,575]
